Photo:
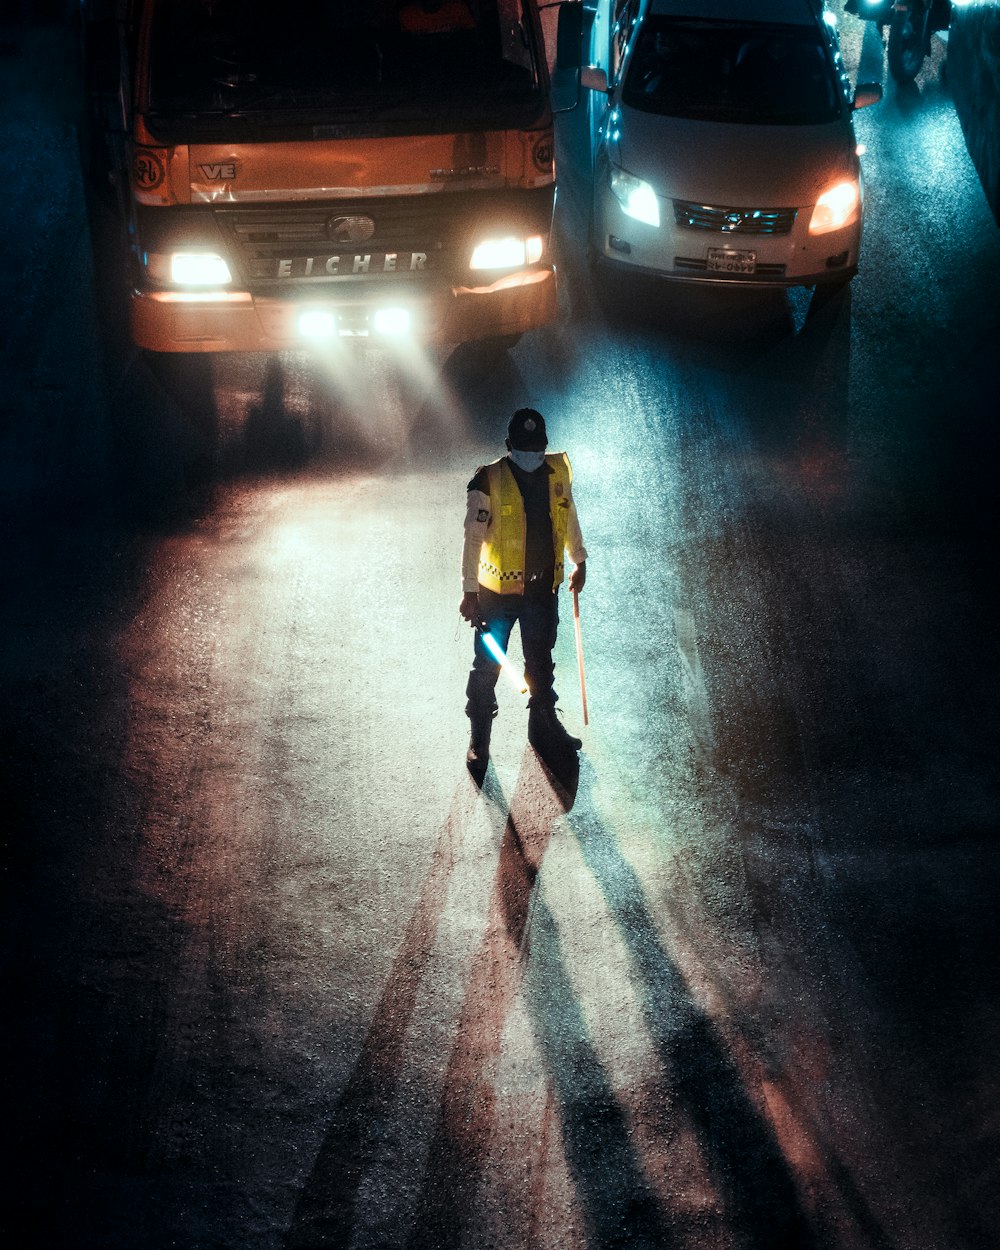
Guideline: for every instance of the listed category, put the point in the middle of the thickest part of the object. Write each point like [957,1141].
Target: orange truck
[295,171]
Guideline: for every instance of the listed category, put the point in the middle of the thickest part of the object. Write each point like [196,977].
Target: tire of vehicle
[185,378]
[906,48]
[501,343]
[470,360]
[828,295]
[486,353]
[605,281]
[613,290]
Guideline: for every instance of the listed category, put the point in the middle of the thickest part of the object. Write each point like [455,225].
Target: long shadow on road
[753,1181]
[521,953]
[325,1214]
[617,1203]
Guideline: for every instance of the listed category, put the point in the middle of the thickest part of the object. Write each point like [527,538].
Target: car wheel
[906,44]
[605,280]
[828,294]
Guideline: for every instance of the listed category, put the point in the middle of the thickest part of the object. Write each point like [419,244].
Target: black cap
[526,430]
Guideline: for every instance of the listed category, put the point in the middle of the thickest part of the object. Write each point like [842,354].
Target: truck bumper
[238,321]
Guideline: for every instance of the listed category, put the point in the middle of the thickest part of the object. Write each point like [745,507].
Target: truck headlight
[199,269]
[836,207]
[637,198]
[510,252]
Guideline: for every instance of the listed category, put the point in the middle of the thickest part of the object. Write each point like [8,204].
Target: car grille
[734,220]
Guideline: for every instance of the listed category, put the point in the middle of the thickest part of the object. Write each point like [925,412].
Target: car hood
[730,164]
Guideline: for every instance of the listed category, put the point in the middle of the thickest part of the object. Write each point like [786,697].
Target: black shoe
[545,729]
[477,761]
[477,757]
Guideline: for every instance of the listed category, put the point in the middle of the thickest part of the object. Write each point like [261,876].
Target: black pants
[537,613]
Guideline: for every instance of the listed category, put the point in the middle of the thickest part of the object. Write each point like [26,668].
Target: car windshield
[732,72]
[331,60]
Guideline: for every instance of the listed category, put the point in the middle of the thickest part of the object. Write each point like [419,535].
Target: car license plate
[722,260]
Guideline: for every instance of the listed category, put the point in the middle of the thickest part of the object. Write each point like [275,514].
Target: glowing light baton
[498,653]
[579,652]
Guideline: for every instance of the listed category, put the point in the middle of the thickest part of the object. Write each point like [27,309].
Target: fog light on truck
[391,321]
[317,324]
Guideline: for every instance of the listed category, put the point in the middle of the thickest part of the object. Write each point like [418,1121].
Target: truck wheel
[185,377]
[471,360]
[487,353]
[500,343]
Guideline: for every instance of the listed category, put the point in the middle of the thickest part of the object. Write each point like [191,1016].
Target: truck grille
[389,237]
[734,220]
[320,241]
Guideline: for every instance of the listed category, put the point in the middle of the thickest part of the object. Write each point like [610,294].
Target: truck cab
[300,170]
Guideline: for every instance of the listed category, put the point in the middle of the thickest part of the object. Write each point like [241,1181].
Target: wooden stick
[579,652]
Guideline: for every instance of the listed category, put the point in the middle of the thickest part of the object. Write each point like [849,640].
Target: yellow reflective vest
[501,557]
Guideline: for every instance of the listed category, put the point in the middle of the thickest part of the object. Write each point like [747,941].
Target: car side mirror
[866,93]
[593,78]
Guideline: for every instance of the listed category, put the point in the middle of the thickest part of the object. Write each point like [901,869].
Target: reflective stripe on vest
[501,560]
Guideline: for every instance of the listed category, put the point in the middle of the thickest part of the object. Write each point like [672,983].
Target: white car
[726,151]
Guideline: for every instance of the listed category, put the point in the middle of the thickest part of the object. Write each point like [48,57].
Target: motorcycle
[911,24]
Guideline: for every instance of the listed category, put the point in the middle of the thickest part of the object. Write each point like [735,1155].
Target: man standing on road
[520,524]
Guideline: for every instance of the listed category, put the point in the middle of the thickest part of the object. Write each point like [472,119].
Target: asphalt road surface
[279,976]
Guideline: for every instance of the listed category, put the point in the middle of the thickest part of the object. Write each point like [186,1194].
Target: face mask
[529,461]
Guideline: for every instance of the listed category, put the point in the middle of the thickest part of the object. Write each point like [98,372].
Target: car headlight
[637,198]
[509,252]
[836,207]
[188,268]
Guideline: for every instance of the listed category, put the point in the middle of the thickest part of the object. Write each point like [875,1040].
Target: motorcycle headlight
[509,252]
[637,198]
[837,207]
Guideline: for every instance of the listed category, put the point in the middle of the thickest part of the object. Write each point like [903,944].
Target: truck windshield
[331,61]
[732,72]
